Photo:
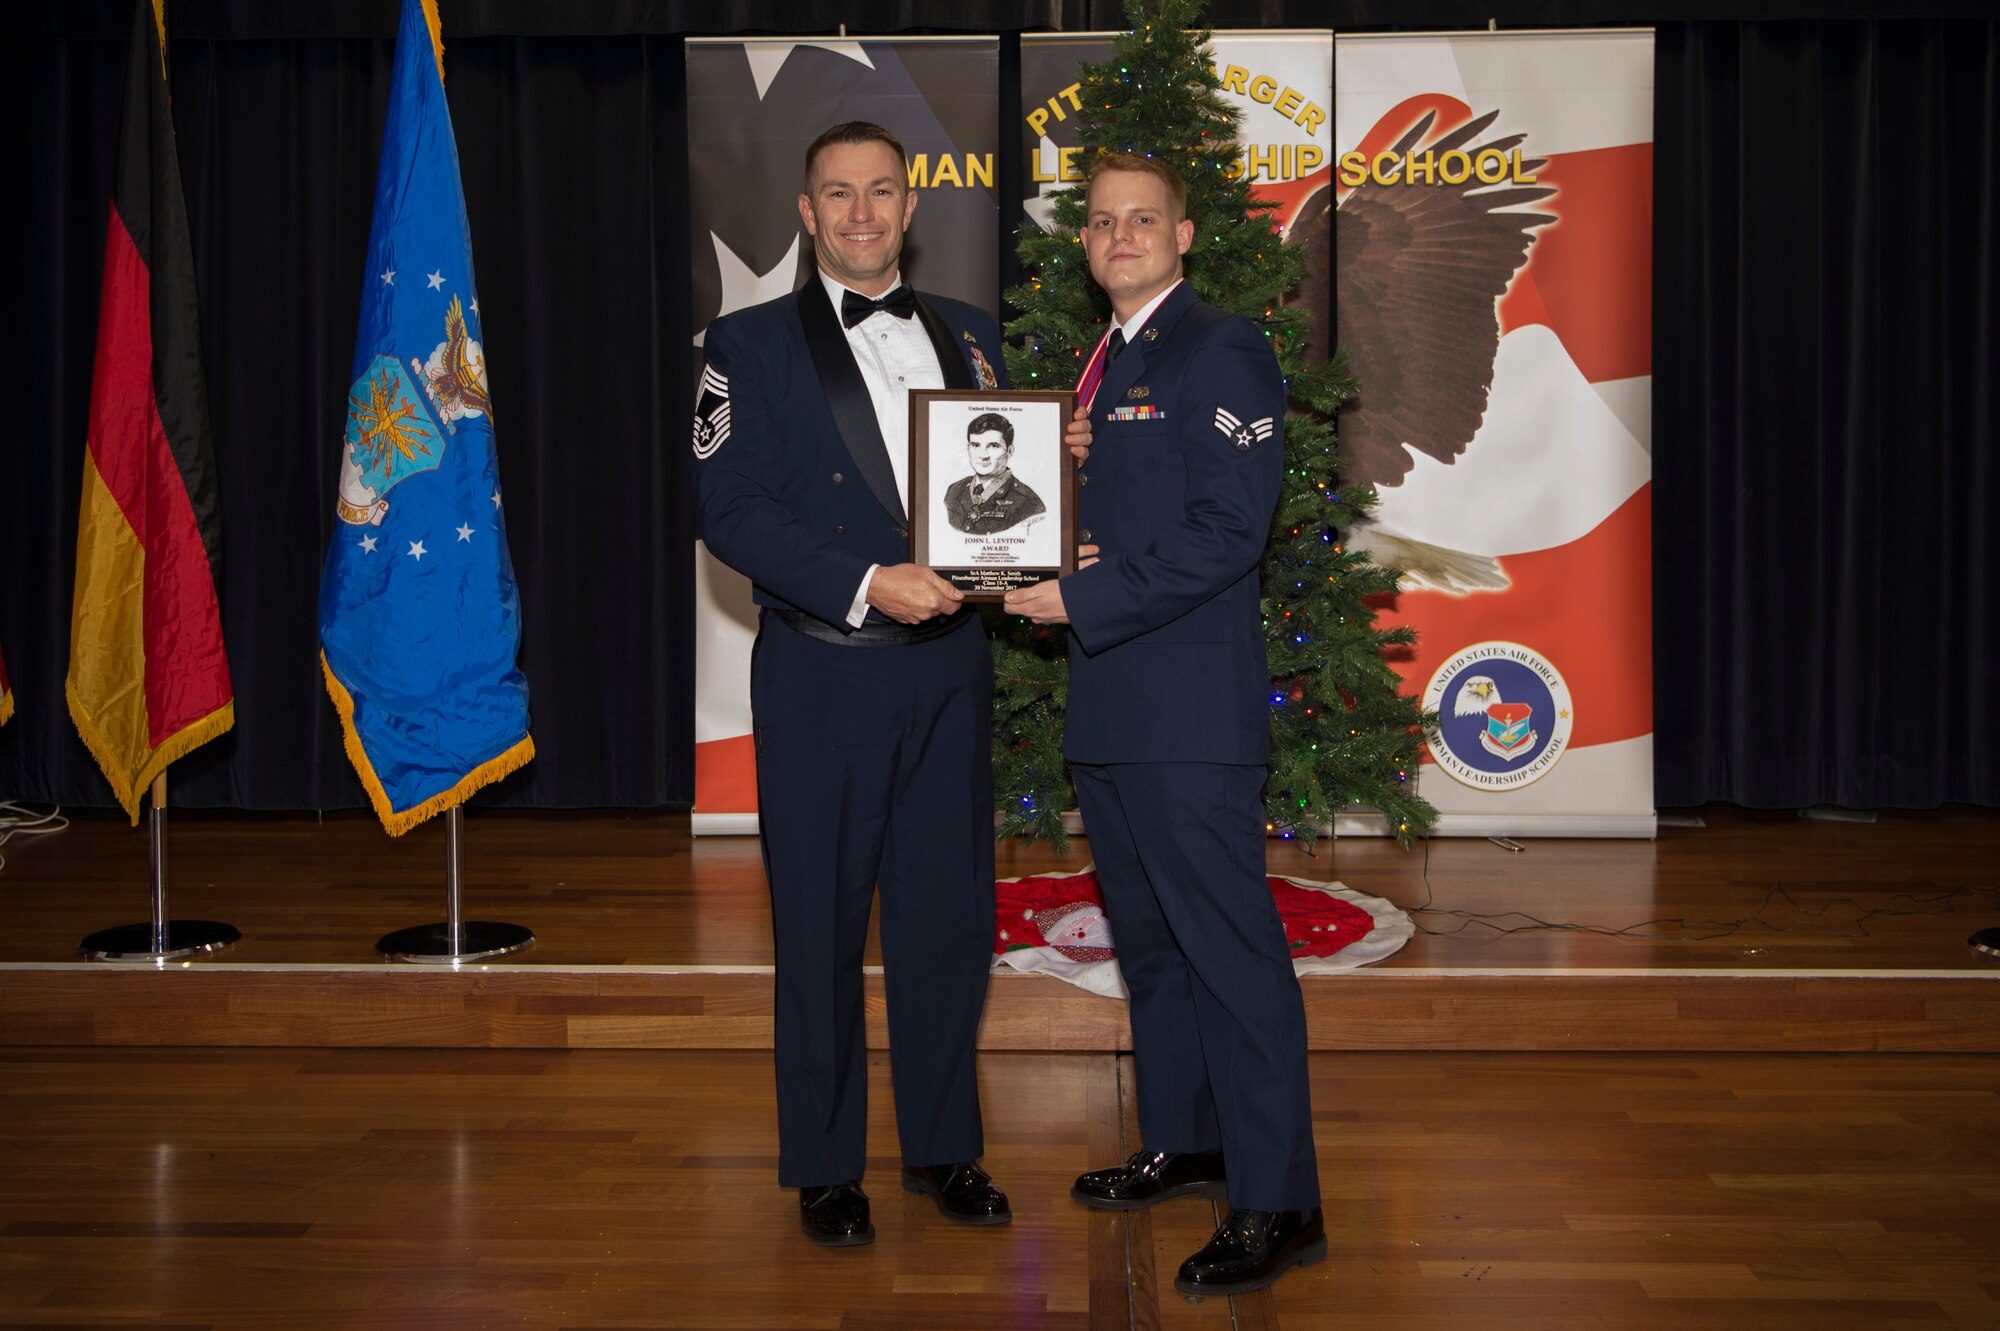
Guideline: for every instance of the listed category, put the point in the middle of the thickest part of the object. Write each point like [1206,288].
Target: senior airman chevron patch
[1244,436]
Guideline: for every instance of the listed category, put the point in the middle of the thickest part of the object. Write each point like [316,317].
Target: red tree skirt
[1054,924]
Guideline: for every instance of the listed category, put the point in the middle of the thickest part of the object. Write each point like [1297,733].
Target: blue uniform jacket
[793,478]
[1166,640]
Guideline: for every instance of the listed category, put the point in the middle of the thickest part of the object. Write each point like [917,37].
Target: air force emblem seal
[711,413]
[1504,716]
[391,436]
[1246,435]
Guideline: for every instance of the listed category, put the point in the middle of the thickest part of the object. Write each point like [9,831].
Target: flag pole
[457,940]
[160,939]
[156,861]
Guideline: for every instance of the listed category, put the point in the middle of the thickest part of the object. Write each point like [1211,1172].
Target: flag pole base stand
[1987,941]
[134,942]
[478,940]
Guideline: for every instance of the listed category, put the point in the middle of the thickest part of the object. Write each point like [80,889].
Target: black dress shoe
[1151,1176]
[1252,1249]
[963,1192]
[837,1216]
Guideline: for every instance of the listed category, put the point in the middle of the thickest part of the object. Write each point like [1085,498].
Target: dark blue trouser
[873,768]
[1218,1026]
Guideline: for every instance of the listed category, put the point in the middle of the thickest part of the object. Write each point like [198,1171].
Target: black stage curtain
[110,20]
[1828,507]
[1469,15]
[237,20]
[573,153]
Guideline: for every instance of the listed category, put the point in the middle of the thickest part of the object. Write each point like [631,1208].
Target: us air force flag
[419,621]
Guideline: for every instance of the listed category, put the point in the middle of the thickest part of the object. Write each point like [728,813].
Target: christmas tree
[1340,733]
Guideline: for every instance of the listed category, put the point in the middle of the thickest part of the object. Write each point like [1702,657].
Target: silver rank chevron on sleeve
[1245,437]
[711,412]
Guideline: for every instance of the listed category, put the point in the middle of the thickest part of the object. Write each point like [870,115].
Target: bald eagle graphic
[1475,695]
[1418,273]
[455,375]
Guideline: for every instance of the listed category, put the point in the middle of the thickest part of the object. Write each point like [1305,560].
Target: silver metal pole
[458,939]
[156,822]
[454,877]
[159,939]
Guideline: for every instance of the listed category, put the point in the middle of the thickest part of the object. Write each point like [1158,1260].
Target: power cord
[20,820]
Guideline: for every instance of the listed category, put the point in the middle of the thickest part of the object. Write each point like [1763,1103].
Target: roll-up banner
[753,108]
[1505,412]
[1282,82]
[1493,276]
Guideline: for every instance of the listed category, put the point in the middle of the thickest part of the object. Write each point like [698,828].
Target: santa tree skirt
[1054,924]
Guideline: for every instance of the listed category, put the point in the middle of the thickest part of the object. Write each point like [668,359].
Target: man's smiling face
[856,208]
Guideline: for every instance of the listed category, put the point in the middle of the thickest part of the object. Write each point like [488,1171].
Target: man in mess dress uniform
[1168,733]
[871,689]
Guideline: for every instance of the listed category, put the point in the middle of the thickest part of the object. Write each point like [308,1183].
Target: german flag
[148,678]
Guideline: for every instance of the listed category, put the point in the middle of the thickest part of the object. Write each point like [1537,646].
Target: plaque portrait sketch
[992,488]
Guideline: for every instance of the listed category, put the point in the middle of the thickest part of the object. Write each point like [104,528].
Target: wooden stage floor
[1539,1130]
[460,1190]
[1752,931]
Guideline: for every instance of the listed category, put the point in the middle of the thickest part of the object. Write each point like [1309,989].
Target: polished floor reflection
[380,1189]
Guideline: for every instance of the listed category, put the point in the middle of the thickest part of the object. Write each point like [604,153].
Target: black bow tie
[901,302]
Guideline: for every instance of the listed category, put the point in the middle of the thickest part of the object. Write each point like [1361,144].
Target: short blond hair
[1144,165]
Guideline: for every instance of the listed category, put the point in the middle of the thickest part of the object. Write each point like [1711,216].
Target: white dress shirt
[894,355]
[1138,320]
